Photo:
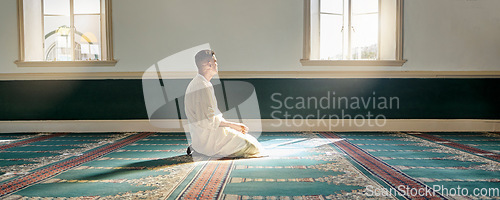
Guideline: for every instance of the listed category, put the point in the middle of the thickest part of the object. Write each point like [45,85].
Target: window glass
[364,42]
[56,7]
[331,37]
[87,37]
[350,36]
[353,33]
[87,6]
[57,35]
[332,6]
[364,6]
[64,30]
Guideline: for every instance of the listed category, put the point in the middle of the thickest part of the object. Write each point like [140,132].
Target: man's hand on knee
[239,127]
[236,126]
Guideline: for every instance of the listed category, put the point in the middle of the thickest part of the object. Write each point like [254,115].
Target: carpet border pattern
[24,142]
[62,166]
[382,170]
[488,154]
[209,182]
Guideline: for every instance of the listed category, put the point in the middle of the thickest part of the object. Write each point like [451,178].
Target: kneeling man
[211,134]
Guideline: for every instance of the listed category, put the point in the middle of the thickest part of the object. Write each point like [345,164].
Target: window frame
[306,61]
[108,41]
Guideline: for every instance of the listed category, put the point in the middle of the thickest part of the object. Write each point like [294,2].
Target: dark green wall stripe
[123,99]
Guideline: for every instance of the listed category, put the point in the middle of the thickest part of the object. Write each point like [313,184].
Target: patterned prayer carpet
[317,165]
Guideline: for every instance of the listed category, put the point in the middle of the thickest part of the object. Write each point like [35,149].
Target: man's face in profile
[213,64]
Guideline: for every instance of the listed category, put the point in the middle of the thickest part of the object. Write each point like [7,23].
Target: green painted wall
[123,99]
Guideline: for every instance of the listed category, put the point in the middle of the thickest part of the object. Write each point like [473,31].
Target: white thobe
[204,119]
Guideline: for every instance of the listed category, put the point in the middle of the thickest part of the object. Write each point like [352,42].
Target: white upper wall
[264,35]
[452,35]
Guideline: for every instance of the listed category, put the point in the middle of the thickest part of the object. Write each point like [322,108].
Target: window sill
[391,63]
[102,63]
